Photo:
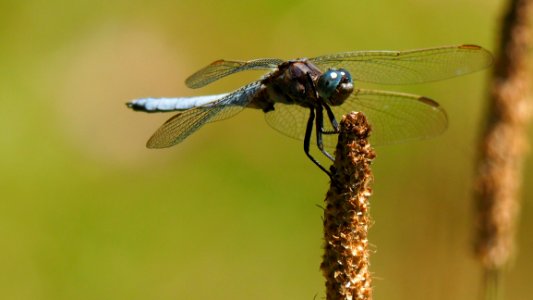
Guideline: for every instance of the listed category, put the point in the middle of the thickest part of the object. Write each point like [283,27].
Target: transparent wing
[411,66]
[222,68]
[290,120]
[394,117]
[183,124]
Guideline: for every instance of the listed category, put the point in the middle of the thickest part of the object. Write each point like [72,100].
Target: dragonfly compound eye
[335,86]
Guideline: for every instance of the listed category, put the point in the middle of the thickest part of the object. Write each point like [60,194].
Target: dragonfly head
[334,86]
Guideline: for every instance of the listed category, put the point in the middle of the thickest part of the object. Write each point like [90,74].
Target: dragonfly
[311,94]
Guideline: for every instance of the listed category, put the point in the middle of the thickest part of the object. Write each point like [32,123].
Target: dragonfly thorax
[294,82]
[335,86]
[300,82]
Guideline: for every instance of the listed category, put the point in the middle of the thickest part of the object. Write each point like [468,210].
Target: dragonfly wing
[222,68]
[394,117]
[183,124]
[289,119]
[411,66]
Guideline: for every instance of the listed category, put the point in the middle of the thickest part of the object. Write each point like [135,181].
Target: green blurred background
[87,212]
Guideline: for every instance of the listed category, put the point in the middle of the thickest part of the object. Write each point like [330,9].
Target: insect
[302,95]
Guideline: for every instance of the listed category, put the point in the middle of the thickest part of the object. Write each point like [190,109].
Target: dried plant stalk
[346,218]
[503,145]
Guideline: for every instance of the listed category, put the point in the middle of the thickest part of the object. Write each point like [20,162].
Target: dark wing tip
[470,47]
[436,106]
[489,58]
[217,62]
[429,101]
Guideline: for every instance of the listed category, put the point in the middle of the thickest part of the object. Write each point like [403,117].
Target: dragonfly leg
[312,84]
[332,120]
[307,140]
[320,131]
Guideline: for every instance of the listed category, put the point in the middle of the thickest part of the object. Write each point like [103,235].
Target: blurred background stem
[503,147]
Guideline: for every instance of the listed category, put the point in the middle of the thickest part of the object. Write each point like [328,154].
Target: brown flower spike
[503,147]
[346,218]
[504,143]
